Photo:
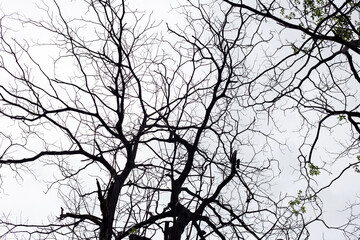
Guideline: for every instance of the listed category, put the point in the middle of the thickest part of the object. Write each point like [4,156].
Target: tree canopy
[233,121]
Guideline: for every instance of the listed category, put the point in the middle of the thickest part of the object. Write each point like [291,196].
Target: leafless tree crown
[156,130]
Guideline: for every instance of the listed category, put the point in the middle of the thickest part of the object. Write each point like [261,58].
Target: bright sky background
[21,196]
[24,198]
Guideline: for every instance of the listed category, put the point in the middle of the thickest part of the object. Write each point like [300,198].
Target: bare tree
[176,137]
[320,78]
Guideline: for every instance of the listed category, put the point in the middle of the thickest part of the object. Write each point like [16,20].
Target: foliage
[342,117]
[356,166]
[296,204]
[314,170]
[325,16]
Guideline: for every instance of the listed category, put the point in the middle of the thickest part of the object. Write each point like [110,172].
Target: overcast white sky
[24,198]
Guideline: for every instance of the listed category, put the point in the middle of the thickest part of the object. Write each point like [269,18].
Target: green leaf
[303,210]
[294,48]
[314,170]
[342,117]
[133,230]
